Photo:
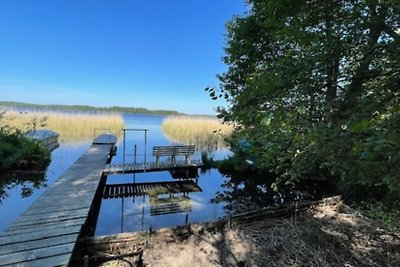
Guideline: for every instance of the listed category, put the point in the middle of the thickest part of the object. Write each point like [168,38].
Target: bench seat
[173,152]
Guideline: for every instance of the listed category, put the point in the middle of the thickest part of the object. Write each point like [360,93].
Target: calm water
[128,214]
[19,196]
[133,213]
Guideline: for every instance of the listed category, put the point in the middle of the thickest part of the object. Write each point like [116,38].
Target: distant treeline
[89,108]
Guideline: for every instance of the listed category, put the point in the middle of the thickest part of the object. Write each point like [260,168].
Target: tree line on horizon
[87,108]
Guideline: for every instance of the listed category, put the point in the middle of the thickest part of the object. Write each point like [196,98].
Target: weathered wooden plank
[17,238]
[36,244]
[51,202]
[65,207]
[48,220]
[55,261]
[27,257]
[60,215]
[39,227]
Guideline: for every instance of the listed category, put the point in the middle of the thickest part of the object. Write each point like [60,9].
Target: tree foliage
[313,86]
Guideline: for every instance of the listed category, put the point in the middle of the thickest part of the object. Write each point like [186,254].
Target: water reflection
[248,192]
[26,182]
[184,173]
[160,208]
[243,193]
[156,198]
[170,204]
[19,190]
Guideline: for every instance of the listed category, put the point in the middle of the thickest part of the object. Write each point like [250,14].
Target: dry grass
[70,126]
[328,234]
[207,133]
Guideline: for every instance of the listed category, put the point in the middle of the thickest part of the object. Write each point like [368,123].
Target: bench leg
[158,161]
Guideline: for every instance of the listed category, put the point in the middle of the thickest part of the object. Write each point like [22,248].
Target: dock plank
[36,244]
[18,238]
[31,255]
[50,215]
[45,209]
[49,220]
[55,260]
[37,228]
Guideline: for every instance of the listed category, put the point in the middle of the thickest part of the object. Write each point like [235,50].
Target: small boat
[48,138]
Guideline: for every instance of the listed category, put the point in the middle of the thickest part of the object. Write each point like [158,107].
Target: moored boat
[47,138]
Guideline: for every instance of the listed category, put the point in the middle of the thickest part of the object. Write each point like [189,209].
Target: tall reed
[207,133]
[70,126]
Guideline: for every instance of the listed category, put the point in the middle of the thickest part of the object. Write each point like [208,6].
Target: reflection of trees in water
[247,192]
[244,193]
[27,181]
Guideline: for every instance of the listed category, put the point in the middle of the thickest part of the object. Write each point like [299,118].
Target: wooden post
[158,160]
[123,152]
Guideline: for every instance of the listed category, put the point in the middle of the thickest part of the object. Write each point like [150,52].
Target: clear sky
[157,54]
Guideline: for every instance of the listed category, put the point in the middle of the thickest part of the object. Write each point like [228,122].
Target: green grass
[207,133]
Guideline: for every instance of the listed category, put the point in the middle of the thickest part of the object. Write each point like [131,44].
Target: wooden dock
[110,169]
[151,189]
[46,233]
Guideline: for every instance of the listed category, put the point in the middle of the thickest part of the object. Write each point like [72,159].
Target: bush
[21,153]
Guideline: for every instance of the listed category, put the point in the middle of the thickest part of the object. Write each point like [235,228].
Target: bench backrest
[173,150]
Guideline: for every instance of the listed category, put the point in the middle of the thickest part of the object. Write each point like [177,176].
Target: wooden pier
[46,233]
[110,169]
[151,189]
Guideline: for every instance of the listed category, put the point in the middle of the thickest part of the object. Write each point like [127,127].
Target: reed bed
[70,126]
[207,133]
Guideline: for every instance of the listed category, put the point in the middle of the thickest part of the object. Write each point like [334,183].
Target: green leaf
[266,121]
[361,127]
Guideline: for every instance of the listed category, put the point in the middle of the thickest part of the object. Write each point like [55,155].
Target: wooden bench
[173,152]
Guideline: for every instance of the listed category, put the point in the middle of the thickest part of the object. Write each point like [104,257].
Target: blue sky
[158,54]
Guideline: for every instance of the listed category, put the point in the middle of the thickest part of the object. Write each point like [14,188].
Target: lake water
[123,214]
[19,195]
[134,213]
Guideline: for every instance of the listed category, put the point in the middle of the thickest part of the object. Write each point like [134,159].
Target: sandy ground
[328,234]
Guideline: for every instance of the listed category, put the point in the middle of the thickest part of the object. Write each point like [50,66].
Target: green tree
[313,86]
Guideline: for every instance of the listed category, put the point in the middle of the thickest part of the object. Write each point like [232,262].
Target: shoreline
[327,233]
